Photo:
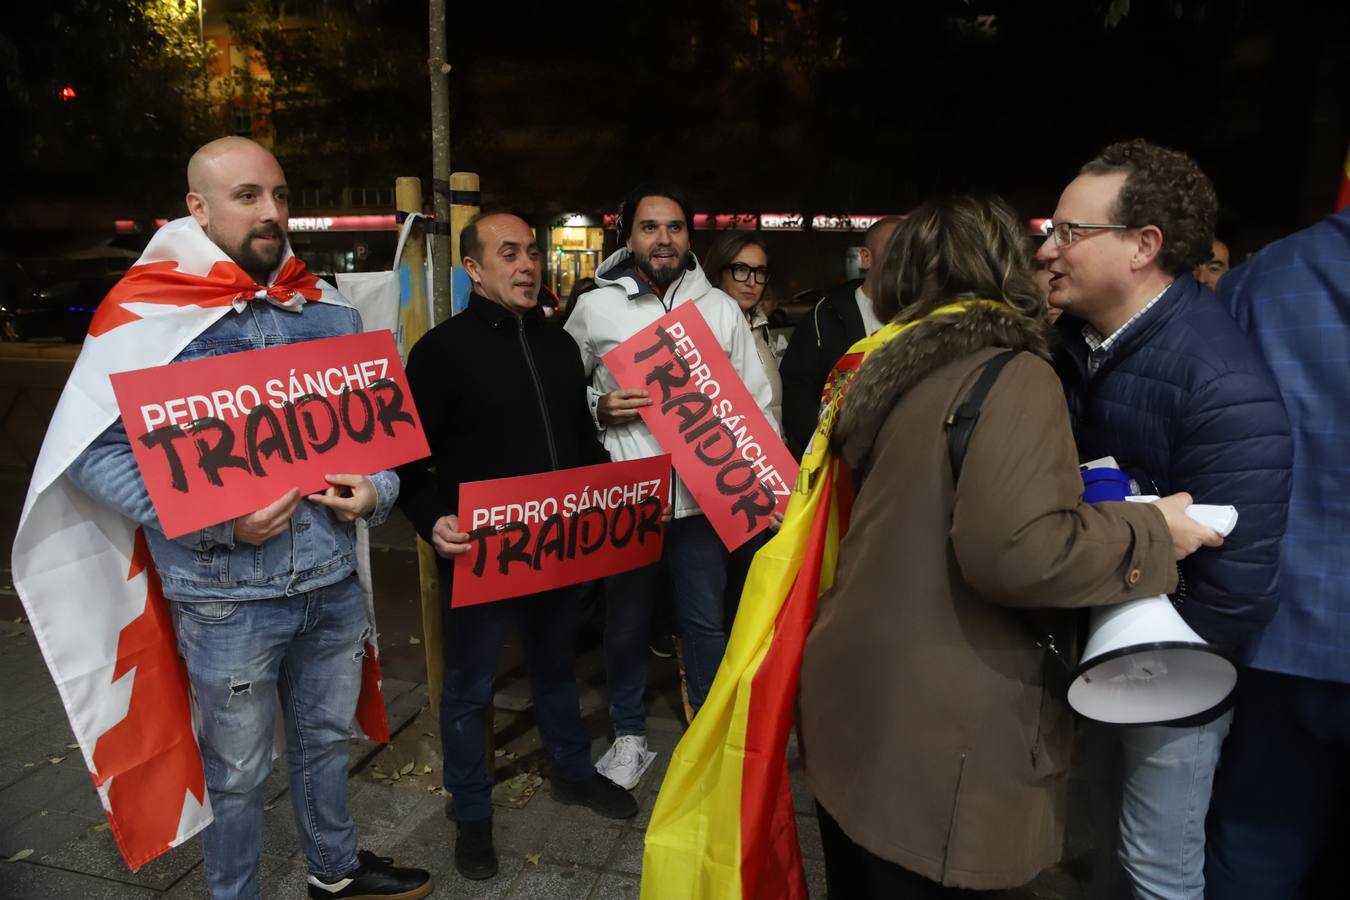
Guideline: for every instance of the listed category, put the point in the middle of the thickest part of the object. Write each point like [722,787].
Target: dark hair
[957,248]
[471,242]
[727,247]
[650,189]
[1165,188]
[581,286]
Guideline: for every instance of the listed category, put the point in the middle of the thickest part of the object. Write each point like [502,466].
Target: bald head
[873,250]
[237,193]
[874,241]
[217,160]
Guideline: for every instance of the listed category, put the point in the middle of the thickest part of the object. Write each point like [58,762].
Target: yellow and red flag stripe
[723,827]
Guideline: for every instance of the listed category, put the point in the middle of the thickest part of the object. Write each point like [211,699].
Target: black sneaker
[375,877]
[597,793]
[474,855]
[663,645]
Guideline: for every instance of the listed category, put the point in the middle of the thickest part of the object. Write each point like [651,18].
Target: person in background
[1213,269]
[936,753]
[738,261]
[1284,775]
[842,318]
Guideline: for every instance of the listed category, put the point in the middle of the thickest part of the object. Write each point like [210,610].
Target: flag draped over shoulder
[85,574]
[723,827]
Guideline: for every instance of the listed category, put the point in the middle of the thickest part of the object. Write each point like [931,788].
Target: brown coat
[926,728]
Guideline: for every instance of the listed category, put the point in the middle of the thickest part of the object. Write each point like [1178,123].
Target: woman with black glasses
[738,263]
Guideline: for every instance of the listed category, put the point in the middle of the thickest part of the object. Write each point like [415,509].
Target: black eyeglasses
[742,272]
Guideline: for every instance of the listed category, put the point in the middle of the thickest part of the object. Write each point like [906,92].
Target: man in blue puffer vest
[1159,376]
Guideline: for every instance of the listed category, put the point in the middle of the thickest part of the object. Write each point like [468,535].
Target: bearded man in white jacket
[654,272]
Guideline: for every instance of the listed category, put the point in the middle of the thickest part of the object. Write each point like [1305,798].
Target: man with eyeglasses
[839,320]
[651,273]
[1159,376]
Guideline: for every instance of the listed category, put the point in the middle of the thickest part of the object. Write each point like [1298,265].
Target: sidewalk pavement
[49,809]
[51,817]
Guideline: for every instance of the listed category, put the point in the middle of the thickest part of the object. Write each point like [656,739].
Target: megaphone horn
[1143,665]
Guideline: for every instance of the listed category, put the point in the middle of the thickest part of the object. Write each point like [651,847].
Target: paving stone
[437,858]
[30,830]
[627,857]
[95,853]
[36,882]
[537,882]
[617,887]
[45,784]
[588,844]
[519,831]
[389,806]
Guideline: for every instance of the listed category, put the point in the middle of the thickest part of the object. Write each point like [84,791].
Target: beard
[259,260]
[664,273]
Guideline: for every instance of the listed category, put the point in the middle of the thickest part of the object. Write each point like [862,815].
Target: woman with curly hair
[935,749]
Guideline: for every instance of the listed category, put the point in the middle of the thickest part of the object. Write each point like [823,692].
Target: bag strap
[960,429]
[961,423]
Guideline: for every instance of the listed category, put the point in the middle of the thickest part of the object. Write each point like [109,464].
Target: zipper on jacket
[538,392]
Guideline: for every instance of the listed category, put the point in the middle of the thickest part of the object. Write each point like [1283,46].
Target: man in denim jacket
[269,603]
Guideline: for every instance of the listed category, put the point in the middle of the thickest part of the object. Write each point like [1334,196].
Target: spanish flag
[723,827]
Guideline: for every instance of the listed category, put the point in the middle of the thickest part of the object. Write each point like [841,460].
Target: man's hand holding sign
[697,407]
[534,533]
[216,438]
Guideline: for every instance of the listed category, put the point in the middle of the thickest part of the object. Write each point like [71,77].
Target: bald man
[269,602]
[501,394]
[844,316]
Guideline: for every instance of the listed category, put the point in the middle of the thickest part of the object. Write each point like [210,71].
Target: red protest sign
[533,533]
[719,440]
[222,437]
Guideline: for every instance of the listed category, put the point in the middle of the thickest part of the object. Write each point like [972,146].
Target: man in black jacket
[843,317]
[502,394]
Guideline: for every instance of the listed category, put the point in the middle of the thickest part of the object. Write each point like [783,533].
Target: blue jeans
[1169,775]
[1283,780]
[473,641]
[306,649]
[695,562]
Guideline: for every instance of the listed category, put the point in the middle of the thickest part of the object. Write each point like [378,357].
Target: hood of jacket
[620,270]
[911,356]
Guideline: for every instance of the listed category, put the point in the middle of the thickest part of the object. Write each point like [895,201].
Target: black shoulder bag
[960,428]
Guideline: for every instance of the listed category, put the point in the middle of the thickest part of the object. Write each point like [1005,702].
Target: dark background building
[811,107]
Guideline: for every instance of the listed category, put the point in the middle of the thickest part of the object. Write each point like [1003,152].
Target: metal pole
[441,260]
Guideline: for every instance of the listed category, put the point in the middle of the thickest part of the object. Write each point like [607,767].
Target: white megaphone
[1143,665]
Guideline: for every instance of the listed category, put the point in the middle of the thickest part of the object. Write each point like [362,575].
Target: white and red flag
[85,574]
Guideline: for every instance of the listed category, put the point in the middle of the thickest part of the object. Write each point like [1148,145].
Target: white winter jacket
[620,306]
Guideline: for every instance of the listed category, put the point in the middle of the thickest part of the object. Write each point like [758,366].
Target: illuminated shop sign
[782,221]
[843,223]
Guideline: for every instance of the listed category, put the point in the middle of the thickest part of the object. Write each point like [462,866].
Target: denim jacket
[318,550]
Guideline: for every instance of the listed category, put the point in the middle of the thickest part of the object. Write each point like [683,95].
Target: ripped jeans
[242,657]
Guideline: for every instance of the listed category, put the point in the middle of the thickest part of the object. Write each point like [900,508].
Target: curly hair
[1163,187]
[957,248]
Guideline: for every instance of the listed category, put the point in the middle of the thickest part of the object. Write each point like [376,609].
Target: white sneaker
[626,761]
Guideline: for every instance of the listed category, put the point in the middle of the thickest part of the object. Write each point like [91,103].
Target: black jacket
[820,339]
[499,396]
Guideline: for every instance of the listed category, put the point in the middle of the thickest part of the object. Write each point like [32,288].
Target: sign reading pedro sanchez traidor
[701,413]
[225,436]
[533,533]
